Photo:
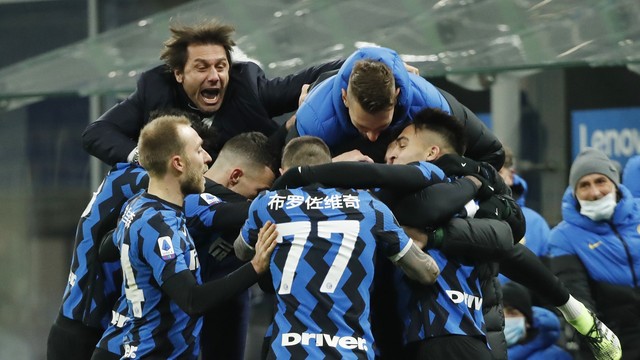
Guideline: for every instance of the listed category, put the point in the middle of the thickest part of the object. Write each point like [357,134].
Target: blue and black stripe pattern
[155,245]
[322,268]
[452,306]
[94,287]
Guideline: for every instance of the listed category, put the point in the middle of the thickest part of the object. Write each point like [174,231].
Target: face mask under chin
[601,209]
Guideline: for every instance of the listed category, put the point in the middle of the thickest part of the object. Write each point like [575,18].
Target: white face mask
[514,329]
[601,209]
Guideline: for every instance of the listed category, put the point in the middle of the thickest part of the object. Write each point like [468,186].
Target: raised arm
[403,178]
[114,135]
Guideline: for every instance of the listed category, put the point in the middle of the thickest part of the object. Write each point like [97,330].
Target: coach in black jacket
[198,76]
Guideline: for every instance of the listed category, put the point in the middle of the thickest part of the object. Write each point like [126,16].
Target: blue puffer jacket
[536,237]
[631,175]
[599,262]
[323,113]
[542,345]
[606,256]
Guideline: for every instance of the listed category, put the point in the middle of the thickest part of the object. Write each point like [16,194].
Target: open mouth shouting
[210,96]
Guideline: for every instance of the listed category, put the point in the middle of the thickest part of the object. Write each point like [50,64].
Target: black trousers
[448,347]
[71,339]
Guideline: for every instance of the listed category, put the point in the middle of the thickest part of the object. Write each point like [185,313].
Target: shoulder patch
[210,199]
[166,248]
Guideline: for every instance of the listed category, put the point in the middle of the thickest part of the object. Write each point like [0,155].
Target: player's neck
[167,190]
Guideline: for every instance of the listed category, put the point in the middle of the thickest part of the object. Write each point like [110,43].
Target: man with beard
[161,269]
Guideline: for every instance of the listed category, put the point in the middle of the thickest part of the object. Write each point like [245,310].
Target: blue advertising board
[616,132]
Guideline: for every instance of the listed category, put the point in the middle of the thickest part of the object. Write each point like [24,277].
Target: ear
[235,175]
[177,163]
[433,152]
[345,100]
[178,75]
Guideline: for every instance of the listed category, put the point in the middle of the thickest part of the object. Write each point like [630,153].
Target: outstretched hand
[267,237]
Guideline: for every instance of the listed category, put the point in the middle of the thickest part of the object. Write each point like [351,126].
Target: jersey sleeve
[200,210]
[388,233]
[251,227]
[166,246]
[431,171]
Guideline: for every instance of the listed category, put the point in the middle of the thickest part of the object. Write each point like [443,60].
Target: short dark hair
[252,147]
[159,141]
[213,32]
[372,84]
[445,125]
[305,150]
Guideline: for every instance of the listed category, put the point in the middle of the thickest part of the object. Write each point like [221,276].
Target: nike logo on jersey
[304,339]
[463,164]
[595,245]
[496,211]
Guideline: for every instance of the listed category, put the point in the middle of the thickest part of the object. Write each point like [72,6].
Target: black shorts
[71,339]
[448,347]
[102,354]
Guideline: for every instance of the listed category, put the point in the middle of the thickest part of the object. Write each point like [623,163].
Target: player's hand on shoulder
[353,155]
[267,237]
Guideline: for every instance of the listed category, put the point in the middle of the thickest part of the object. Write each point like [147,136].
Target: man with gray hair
[595,250]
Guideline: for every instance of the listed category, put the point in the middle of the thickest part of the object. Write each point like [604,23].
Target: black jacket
[250,103]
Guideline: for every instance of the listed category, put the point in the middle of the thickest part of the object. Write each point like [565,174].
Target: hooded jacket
[323,114]
[540,345]
[536,237]
[631,175]
[600,262]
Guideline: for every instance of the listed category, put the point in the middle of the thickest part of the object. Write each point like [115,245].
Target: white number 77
[300,231]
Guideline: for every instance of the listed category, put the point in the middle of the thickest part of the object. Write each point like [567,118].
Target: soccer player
[434,136]
[322,270]
[243,168]
[455,301]
[371,96]
[93,287]
[161,271]
[428,139]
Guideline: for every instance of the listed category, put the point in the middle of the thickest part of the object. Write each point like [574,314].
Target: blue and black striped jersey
[93,287]
[452,306]
[322,268]
[155,245]
[200,211]
[112,338]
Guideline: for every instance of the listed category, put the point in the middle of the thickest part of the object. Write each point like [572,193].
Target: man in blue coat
[631,175]
[595,250]
[373,94]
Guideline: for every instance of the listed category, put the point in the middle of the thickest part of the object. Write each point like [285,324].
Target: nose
[390,158]
[206,157]
[213,75]
[372,135]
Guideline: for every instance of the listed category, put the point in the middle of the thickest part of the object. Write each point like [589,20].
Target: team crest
[166,248]
[210,199]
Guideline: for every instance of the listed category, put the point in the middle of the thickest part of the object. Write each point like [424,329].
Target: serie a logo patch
[166,248]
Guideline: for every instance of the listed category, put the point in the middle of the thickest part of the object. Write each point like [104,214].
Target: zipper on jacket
[629,258]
